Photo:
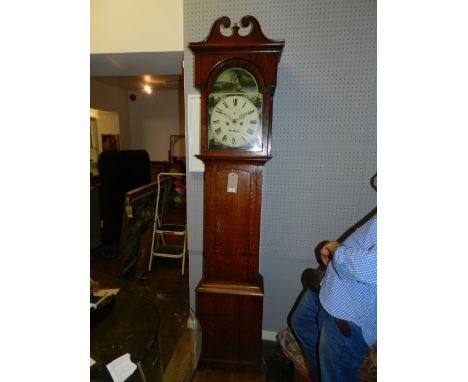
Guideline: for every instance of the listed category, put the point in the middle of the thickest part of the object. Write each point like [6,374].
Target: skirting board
[269,336]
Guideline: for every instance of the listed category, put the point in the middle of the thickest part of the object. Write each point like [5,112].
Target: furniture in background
[293,352]
[176,147]
[137,228]
[162,229]
[119,172]
[131,326]
[157,329]
[156,167]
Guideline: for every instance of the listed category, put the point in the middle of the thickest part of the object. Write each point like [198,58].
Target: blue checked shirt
[349,286]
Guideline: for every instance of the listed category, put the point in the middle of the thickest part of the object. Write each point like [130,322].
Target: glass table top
[160,331]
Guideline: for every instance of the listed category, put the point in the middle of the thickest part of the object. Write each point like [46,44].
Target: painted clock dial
[235,112]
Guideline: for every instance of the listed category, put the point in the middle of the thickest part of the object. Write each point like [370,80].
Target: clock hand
[222,112]
[242,115]
[233,120]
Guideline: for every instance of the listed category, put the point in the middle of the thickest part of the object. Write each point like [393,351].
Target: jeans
[331,356]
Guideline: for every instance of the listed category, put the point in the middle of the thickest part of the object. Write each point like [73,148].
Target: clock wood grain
[229,297]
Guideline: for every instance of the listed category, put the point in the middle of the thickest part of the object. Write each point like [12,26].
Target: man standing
[337,325]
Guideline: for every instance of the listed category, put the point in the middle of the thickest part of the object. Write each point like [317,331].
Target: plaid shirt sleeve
[356,259]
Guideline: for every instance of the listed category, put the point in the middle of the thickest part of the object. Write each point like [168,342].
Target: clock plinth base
[231,320]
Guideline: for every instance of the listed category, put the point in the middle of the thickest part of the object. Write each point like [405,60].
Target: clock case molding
[229,297]
[253,52]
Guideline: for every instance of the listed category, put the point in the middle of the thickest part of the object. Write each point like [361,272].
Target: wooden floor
[165,276]
[212,372]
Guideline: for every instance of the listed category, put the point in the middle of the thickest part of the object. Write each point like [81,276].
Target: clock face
[234,118]
[235,122]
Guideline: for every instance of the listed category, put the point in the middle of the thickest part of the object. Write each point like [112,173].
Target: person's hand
[327,251]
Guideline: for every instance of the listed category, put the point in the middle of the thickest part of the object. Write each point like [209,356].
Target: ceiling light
[147,89]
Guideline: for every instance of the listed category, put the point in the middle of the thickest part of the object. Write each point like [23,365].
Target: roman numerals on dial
[235,122]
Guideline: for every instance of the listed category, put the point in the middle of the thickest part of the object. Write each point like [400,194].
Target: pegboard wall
[324,125]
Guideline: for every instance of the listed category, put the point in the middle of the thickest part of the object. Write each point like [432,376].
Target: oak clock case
[236,75]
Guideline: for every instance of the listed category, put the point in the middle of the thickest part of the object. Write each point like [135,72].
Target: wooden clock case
[229,298]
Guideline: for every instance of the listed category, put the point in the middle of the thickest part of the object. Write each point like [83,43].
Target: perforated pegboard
[324,122]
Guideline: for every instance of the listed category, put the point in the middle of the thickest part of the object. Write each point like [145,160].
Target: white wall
[153,118]
[108,123]
[123,26]
[109,98]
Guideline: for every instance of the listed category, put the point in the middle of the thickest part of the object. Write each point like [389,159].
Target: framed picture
[110,142]
[137,227]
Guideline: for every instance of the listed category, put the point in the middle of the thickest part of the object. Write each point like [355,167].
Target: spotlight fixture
[147,89]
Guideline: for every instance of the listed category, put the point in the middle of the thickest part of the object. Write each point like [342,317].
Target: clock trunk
[230,295]
[233,193]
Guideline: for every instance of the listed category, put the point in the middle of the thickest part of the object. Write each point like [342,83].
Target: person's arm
[356,258]
[356,264]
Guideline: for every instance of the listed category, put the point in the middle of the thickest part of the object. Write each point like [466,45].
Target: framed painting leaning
[137,228]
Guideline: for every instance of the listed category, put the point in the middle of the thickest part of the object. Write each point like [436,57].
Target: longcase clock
[235,71]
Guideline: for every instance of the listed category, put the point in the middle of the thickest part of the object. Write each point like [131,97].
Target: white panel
[193,133]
